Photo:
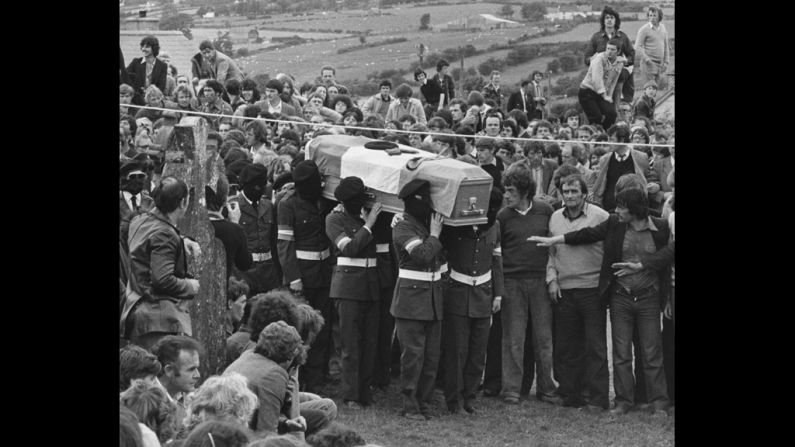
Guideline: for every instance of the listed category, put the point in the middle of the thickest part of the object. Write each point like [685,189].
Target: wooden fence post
[186,157]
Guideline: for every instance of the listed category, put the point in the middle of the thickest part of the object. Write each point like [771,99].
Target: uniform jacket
[640,160]
[473,253]
[387,261]
[301,226]
[137,72]
[258,224]
[416,299]
[158,272]
[348,282]
[612,233]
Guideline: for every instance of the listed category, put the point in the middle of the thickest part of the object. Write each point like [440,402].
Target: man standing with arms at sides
[418,300]
[256,217]
[524,268]
[445,81]
[306,259]
[596,89]
[609,23]
[354,288]
[475,293]
[378,104]
[222,68]
[159,267]
[619,161]
[629,236]
[492,90]
[573,282]
[541,170]
[536,90]
[653,48]
[523,99]
[179,356]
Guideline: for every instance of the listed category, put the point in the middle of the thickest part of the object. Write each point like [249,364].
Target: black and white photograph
[396,223]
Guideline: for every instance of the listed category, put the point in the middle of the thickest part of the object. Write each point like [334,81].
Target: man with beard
[417,302]
[256,218]
[573,283]
[475,292]
[132,201]
[306,260]
[354,288]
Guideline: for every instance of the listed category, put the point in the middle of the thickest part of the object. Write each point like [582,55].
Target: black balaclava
[310,188]
[420,209]
[133,185]
[253,191]
[354,205]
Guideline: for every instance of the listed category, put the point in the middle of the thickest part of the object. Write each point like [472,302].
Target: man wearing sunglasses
[132,200]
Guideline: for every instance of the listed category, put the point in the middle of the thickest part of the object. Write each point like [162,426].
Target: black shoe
[554,400]
[490,393]
[468,407]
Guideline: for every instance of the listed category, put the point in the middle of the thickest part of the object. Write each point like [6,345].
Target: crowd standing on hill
[580,226]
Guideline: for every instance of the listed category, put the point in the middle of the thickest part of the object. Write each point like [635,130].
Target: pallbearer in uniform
[354,289]
[417,302]
[306,259]
[387,275]
[474,293]
[256,218]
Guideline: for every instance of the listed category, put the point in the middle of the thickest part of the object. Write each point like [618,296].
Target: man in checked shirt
[306,260]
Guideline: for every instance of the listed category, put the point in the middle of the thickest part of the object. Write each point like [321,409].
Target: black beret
[253,173]
[380,144]
[304,170]
[275,84]
[416,186]
[349,188]
[129,167]
[283,179]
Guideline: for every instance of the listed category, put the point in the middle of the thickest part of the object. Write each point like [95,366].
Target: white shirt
[619,158]
[127,196]
[538,177]
[275,109]
[524,213]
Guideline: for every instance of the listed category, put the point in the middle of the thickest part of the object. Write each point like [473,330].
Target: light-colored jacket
[375,105]
[414,109]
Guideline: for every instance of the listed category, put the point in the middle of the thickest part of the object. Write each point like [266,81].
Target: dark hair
[572,178]
[512,124]
[271,307]
[418,72]
[642,131]
[543,123]
[438,122]
[656,9]
[249,84]
[151,41]
[532,76]
[615,41]
[442,63]
[215,85]
[635,201]
[403,91]
[571,112]
[216,195]
[335,435]
[281,342]
[620,132]
[327,67]
[236,135]
[152,407]
[259,130]
[405,117]
[232,87]
[445,136]
[213,135]
[385,83]
[168,348]
[169,193]
[342,98]
[206,45]
[507,145]
[136,362]
[520,117]
[608,10]
[357,114]
[519,176]
[530,147]
[218,434]
[475,98]
[129,430]
[460,102]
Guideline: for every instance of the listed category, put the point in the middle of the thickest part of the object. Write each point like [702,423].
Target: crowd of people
[580,220]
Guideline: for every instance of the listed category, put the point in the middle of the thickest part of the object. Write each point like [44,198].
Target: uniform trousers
[359,337]
[420,342]
[464,341]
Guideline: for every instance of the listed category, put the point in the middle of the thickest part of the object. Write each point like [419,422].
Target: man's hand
[297,287]
[607,98]
[626,268]
[436,224]
[542,241]
[194,286]
[496,305]
[622,59]
[192,248]
[372,215]
[297,424]
[554,291]
[652,188]
[396,218]
[234,212]
[668,312]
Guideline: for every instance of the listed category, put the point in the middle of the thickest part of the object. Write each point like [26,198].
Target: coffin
[459,191]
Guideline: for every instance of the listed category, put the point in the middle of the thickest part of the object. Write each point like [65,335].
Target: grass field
[531,423]
[585,31]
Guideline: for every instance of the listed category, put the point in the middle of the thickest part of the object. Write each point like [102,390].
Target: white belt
[312,255]
[382,248]
[471,280]
[422,276]
[259,257]
[357,262]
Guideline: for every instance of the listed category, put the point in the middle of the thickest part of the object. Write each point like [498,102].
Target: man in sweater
[653,48]
[405,105]
[596,90]
[573,282]
[524,267]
